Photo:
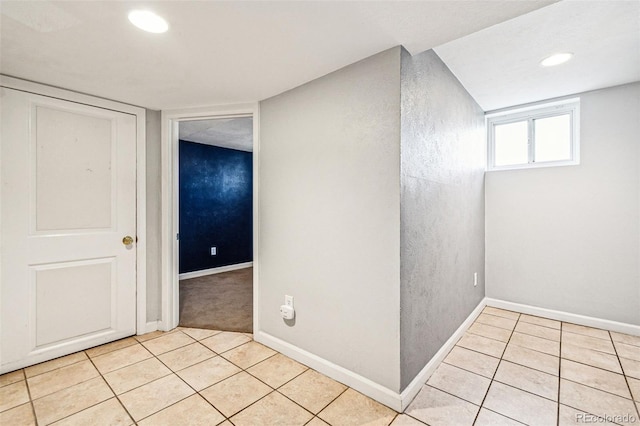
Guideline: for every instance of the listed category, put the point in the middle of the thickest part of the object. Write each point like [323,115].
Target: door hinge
[178,236]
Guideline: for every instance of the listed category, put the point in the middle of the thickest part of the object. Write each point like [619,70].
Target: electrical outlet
[475,279]
[287,312]
[214,251]
[288,301]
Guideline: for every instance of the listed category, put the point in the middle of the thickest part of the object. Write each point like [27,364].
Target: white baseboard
[400,402]
[341,374]
[211,271]
[620,327]
[394,400]
[416,384]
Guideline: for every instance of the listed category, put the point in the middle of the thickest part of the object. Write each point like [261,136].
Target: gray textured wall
[442,208]
[330,216]
[153,215]
[568,238]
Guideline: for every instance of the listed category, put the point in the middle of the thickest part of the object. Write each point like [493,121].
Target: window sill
[534,166]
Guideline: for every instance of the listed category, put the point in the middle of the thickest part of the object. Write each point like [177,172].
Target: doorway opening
[215,223]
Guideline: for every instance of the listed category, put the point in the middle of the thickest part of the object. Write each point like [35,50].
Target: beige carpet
[218,302]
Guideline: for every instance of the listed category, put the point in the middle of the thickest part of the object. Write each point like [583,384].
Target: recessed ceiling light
[148,21]
[556,59]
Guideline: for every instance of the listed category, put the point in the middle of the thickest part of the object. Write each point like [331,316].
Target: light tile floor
[508,369]
[513,369]
[185,377]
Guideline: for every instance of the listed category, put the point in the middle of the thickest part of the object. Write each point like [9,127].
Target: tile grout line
[510,418]
[598,389]
[172,372]
[285,396]
[625,376]
[285,383]
[456,396]
[515,344]
[242,370]
[304,408]
[178,401]
[476,351]
[191,387]
[392,420]
[261,398]
[53,369]
[559,372]
[468,371]
[245,370]
[418,420]
[68,387]
[540,325]
[514,330]
[282,385]
[582,384]
[99,376]
[122,368]
[254,402]
[331,402]
[196,392]
[26,383]
[496,371]
[587,335]
[115,395]
[572,360]
[235,374]
[593,366]
[601,369]
[487,337]
[506,384]
[586,412]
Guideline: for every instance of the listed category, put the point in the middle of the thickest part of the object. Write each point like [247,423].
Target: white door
[68,198]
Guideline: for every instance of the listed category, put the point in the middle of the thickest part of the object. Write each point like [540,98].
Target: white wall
[567,238]
[329,229]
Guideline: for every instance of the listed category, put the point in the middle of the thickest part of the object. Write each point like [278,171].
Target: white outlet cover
[287,312]
[288,301]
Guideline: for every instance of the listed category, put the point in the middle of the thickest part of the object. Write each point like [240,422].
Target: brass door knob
[127,241]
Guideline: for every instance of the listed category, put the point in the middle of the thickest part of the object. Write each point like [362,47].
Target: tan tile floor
[185,377]
[508,369]
[513,369]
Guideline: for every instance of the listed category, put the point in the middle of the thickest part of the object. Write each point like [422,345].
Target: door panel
[68,198]
[56,285]
[77,195]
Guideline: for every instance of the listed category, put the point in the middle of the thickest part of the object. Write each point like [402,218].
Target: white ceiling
[499,65]
[234,133]
[222,52]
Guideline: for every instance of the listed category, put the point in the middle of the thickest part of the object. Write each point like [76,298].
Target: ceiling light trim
[556,59]
[148,21]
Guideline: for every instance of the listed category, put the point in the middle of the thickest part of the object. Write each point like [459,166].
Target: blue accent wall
[216,187]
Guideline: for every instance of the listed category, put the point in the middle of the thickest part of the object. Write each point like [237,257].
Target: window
[539,136]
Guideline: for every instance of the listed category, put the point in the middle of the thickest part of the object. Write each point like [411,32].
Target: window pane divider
[531,135]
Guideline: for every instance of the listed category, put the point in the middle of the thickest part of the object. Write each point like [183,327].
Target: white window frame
[529,114]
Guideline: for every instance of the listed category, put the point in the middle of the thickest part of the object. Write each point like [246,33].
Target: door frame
[141,187]
[170,120]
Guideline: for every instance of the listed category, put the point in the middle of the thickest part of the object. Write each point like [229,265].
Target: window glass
[542,135]
[552,138]
[511,144]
